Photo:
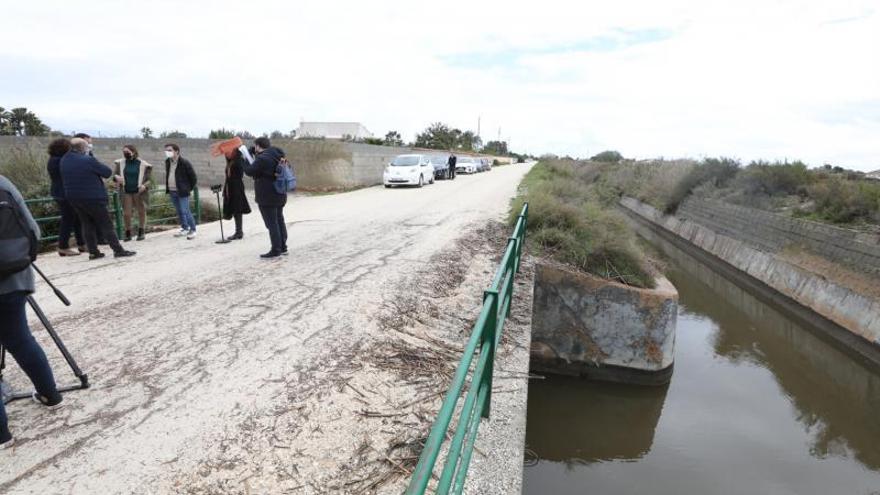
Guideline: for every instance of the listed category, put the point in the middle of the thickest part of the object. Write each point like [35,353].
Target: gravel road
[217,372]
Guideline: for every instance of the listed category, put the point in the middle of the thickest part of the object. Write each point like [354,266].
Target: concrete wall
[857,313]
[771,232]
[320,165]
[586,326]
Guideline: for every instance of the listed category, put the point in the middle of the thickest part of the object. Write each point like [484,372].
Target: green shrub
[609,156]
[839,200]
[25,165]
[774,179]
[567,223]
[716,171]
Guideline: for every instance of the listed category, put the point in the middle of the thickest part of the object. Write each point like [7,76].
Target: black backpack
[18,243]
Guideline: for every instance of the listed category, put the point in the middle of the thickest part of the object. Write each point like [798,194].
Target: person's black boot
[123,254]
[127,236]
[96,256]
[270,254]
[140,236]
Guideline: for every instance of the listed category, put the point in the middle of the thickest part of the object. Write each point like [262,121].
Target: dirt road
[217,372]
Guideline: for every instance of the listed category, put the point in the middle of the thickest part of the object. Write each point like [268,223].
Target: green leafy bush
[568,224]
[716,171]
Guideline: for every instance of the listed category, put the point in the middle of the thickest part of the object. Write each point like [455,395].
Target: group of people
[77,185]
[78,188]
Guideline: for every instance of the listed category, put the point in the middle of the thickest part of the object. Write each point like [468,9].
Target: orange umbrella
[226,147]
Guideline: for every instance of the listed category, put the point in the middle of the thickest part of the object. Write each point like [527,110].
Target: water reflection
[758,404]
[836,395]
[568,415]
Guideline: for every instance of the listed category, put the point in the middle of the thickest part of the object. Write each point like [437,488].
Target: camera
[216,188]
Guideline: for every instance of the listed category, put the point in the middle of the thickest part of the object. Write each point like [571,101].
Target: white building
[332,130]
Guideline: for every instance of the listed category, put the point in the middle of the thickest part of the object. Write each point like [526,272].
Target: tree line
[22,122]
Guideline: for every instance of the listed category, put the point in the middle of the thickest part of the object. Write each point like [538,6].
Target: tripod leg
[84,379]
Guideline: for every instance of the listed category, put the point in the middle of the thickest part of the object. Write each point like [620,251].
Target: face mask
[169,154]
[127,155]
[90,146]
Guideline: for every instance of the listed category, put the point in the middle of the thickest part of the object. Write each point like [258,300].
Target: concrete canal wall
[853,316]
[603,330]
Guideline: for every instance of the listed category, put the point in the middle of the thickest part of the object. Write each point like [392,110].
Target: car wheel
[421,181]
[387,186]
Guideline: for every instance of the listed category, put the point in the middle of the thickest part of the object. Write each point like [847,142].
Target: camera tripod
[216,189]
[7,393]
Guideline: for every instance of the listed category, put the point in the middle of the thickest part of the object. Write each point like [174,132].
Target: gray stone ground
[217,372]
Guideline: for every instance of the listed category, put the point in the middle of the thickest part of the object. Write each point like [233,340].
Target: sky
[675,78]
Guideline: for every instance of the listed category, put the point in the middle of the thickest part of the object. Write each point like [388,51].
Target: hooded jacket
[263,172]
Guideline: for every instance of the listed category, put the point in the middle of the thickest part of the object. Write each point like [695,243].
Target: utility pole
[478,125]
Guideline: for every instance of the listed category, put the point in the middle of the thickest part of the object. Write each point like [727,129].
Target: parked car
[441,166]
[466,165]
[488,162]
[409,170]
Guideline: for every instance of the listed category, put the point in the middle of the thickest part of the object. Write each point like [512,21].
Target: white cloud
[751,79]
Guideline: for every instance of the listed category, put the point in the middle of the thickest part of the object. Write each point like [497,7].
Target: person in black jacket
[180,180]
[271,203]
[102,239]
[451,162]
[83,177]
[235,203]
[69,220]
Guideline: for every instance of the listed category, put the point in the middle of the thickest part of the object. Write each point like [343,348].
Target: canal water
[758,404]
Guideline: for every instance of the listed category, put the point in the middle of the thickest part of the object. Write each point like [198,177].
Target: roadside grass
[569,224]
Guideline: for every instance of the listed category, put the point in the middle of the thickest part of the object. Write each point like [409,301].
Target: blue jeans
[273,217]
[181,205]
[16,337]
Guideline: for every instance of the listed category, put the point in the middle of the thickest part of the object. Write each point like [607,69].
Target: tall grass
[25,166]
[568,223]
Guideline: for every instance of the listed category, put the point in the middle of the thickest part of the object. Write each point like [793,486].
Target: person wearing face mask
[134,174]
[83,178]
[180,180]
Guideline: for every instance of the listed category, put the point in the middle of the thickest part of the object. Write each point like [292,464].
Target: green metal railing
[115,209]
[484,340]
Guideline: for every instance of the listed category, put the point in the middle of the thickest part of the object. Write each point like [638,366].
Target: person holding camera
[135,174]
[270,201]
[15,335]
[180,180]
[83,178]
[235,203]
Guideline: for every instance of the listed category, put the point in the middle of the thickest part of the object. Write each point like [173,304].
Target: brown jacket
[143,174]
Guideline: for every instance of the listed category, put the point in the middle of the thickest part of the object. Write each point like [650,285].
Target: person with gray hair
[83,178]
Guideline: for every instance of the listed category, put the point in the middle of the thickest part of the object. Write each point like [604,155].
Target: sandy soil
[217,372]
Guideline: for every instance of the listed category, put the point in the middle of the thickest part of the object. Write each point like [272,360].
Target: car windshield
[439,159]
[405,161]
[465,160]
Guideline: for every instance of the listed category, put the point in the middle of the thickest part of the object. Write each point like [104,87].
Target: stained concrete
[587,326]
[846,309]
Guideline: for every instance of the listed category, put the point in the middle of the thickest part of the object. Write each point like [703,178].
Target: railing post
[488,345]
[117,213]
[198,205]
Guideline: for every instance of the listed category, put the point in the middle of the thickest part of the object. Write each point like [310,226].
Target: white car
[466,165]
[409,170]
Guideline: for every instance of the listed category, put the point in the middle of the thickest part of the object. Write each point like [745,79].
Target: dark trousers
[70,224]
[238,223]
[451,174]
[16,337]
[93,216]
[273,217]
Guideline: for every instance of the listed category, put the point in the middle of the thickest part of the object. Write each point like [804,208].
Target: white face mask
[169,154]
[90,146]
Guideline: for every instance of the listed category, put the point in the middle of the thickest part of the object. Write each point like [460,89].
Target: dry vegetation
[572,221]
